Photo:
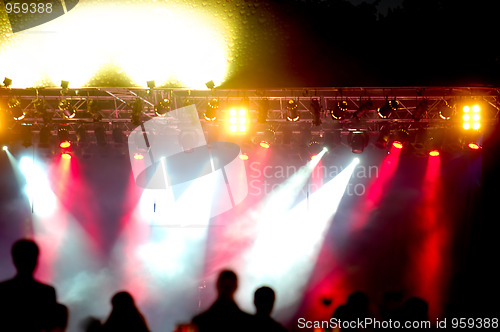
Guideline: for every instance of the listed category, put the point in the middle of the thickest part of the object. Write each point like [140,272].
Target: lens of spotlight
[397,145]
[339,110]
[138,156]
[66,156]
[5,148]
[65,144]
[473,146]
[434,153]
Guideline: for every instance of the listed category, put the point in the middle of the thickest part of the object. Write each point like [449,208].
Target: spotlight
[473,146]
[7,82]
[93,110]
[293,113]
[471,117]
[118,135]
[420,110]
[339,110]
[27,136]
[316,111]
[210,84]
[100,135]
[163,107]
[243,156]
[314,147]
[363,108]
[262,110]
[434,153]
[151,84]
[5,148]
[81,135]
[44,139]
[138,156]
[69,111]
[64,86]
[136,112]
[15,109]
[41,110]
[446,110]
[238,120]
[389,107]
[383,137]
[63,138]
[268,138]
[400,138]
[211,112]
[358,140]
[66,156]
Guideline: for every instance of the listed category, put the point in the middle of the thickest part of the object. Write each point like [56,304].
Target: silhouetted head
[415,309]
[358,301]
[25,257]
[122,301]
[227,284]
[264,300]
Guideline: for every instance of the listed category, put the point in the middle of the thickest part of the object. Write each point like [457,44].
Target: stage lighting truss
[316,110]
[349,109]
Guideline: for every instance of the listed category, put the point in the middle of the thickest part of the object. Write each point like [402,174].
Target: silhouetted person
[357,306]
[391,305]
[415,309]
[91,324]
[58,318]
[124,316]
[25,304]
[264,301]
[224,314]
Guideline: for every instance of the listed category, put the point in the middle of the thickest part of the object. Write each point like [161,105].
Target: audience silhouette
[224,314]
[264,301]
[26,304]
[124,316]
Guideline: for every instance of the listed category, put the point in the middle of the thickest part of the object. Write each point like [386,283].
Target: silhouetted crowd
[27,305]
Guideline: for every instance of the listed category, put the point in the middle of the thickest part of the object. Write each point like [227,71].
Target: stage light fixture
[137,110]
[268,138]
[262,110]
[81,135]
[5,148]
[118,135]
[316,111]
[400,138]
[471,117]
[292,111]
[163,107]
[358,141]
[473,146]
[238,120]
[63,137]
[339,111]
[138,156]
[383,137]
[7,82]
[93,110]
[100,135]
[420,110]
[446,110]
[243,156]
[211,112]
[26,136]
[68,110]
[64,85]
[389,107]
[66,156]
[15,109]
[210,85]
[363,108]
[434,153]
[44,138]
[151,84]
[314,147]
